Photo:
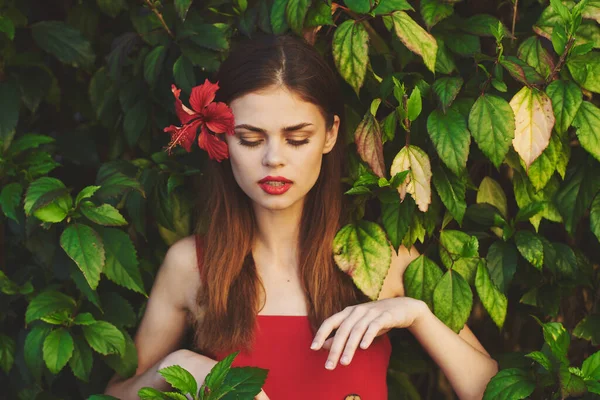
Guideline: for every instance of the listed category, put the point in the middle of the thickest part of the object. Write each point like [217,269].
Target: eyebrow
[285,129]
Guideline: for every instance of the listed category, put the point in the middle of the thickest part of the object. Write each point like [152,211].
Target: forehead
[274,107]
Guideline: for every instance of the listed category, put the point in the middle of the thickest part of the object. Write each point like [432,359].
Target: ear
[331,135]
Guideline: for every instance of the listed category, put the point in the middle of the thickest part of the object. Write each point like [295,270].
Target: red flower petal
[203,95]
[219,118]
[182,136]
[216,148]
[185,114]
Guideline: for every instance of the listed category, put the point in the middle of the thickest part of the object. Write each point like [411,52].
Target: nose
[273,156]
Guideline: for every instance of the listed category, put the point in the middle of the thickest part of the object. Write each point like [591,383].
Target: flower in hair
[212,118]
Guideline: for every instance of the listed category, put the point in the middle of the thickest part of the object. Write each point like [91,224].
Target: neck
[277,237]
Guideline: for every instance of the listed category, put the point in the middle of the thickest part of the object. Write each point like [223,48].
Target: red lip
[274,179]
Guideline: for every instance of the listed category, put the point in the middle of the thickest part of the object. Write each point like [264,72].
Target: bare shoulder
[393,285]
[180,269]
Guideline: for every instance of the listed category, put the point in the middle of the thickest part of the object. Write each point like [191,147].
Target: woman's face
[278,136]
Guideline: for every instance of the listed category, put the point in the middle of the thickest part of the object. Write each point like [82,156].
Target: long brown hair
[229,294]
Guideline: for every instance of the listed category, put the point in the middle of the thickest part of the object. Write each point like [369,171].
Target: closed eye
[255,143]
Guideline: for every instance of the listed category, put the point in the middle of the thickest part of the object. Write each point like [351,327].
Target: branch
[514,21]
[561,60]
[160,17]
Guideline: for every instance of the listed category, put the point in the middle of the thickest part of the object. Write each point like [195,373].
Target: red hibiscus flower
[212,118]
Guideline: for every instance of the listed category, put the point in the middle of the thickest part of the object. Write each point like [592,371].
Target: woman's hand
[362,323]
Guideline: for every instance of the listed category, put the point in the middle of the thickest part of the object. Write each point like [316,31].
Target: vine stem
[160,17]
[514,21]
[561,60]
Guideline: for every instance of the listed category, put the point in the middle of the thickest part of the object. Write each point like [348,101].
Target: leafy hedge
[474,134]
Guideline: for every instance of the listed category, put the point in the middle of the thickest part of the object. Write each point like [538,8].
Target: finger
[327,344]
[262,396]
[328,326]
[356,335]
[374,329]
[341,337]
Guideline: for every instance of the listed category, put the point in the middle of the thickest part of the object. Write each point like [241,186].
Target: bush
[473,134]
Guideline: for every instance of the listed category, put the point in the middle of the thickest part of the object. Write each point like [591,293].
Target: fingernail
[314,345]
[363,345]
[329,365]
[345,360]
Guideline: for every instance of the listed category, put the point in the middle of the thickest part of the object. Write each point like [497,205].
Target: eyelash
[295,143]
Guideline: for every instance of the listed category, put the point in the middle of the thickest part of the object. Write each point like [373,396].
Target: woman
[267,283]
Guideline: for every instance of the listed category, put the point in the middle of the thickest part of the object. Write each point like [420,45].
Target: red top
[282,345]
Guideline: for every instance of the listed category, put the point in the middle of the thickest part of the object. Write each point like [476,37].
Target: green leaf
[433,11]
[559,39]
[418,181]
[444,63]
[534,120]
[414,104]
[278,19]
[579,188]
[361,250]
[493,299]
[490,192]
[126,364]
[589,329]
[117,310]
[542,169]
[459,252]
[388,6]
[530,210]
[7,353]
[296,13]
[42,192]
[351,53]
[84,319]
[10,198]
[86,193]
[104,338]
[183,72]
[210,36]
[58,349]
[153,64]
[83,360]
[7,26]
[525,194]
[533,53]
[591,366]
[47,303]
[531,247]
[595,217]
[396,217]
[452,300]
[84,246]
[136,121]
[33,349]
[541,359]
[502,264]
[510,384]
[121,264]
[452,191]
[64,42]
[566,99]
[111,7]
[587,122]
[585,69]
[415,38]
[420,279]
[182,7]
[27,142]
[369,145]
[245,381]
[447,89]
[105,214]
[359,6]
[451,138]
[521,71]
[218,373]
[319,14]
[180,379]
[481,25]
[562,10]
[492,124]
[571,385]
[557,338]
[149,393]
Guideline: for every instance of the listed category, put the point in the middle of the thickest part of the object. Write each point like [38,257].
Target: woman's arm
[164,324]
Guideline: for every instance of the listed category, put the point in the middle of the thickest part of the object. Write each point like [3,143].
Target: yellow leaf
[418,180]
[534,120]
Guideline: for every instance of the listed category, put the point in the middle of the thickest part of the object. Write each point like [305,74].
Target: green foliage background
[482,115]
